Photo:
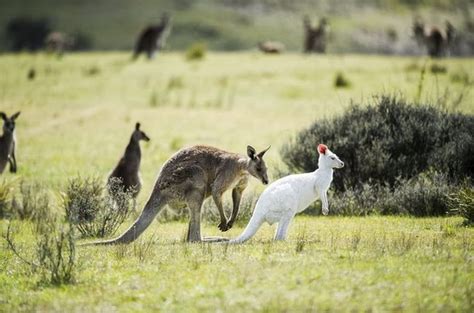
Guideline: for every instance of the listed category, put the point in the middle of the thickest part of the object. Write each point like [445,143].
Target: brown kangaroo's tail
[153,206]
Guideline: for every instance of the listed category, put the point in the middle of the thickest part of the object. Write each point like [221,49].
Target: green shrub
[6,188]
[462,203]
[54,256]
[383,143]
[95,211]
[31,200]
[341,81]
[423,195]
[196,51]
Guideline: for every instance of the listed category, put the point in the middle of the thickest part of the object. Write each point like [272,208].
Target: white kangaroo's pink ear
[322,148]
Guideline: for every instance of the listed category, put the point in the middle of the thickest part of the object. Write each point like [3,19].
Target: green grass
[328,264]
[78,114]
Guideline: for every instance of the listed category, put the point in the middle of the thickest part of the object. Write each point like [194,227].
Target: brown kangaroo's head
[9,123]
[256,165]
[138,134]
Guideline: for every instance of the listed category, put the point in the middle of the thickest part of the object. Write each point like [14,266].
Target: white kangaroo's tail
[254,224]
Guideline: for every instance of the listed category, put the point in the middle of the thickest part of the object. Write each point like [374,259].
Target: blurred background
[353,26]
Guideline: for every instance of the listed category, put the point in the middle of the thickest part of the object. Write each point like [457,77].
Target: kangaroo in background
[8,143]
[436,41]
[315,36]
[153,38]
[126,173]
[271,47]
[286,197]
[192,175]
[58,42]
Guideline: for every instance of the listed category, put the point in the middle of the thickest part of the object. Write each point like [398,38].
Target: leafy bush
[31,200]
[94,211]
[462,203]
[341,81]
[25,33]
[197,51]
[423,195]
[55,254]
[383,143]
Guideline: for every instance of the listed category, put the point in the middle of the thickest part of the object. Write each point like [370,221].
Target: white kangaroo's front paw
[325,211]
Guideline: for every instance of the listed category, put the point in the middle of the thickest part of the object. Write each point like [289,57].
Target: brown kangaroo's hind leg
[155,203]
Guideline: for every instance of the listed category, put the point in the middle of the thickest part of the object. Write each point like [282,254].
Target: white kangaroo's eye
[333,158]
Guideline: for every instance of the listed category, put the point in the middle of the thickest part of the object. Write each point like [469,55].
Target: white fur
[290,195]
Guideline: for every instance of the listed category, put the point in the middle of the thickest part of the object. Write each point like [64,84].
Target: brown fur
[8,143]
[58,42]
[315,36]
[152,38]
[192,175]
[127,169]
[436,41]
[271,47]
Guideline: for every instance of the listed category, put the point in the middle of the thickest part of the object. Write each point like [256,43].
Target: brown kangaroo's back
[190,176]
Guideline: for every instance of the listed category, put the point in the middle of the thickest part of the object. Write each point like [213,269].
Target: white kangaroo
[292,194]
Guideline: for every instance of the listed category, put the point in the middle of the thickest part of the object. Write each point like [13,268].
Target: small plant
[55,247]
[6,188]
[31,201]
[95,212]
[341,81]
[438,69]
[196,51]
[462,203]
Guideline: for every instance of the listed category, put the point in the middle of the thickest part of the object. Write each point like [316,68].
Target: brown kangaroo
[436,42]
[8,142]
[192,175]
[315,36]
[271,47]
[152,38]
[127,170]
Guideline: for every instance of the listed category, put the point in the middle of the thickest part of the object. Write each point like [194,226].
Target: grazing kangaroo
[8,143]
[292,194]
[127,170]
[58,42]
[315,36]
[436,42]
[271,47]
[192,175]
[153,38]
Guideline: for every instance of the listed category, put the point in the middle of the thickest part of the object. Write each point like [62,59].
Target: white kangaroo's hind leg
[282,229]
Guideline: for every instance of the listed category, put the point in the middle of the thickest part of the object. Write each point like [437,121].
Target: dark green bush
[423,195]
[383,143]
[341,81]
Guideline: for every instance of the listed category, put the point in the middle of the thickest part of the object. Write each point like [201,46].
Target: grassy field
[379,264]
[77,116]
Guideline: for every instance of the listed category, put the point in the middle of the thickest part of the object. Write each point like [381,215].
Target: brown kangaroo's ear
[251,152]
[137,126]
[14,116]
[3,116]
[262,153]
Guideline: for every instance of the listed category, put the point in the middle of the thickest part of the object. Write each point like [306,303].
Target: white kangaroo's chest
[291,195]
